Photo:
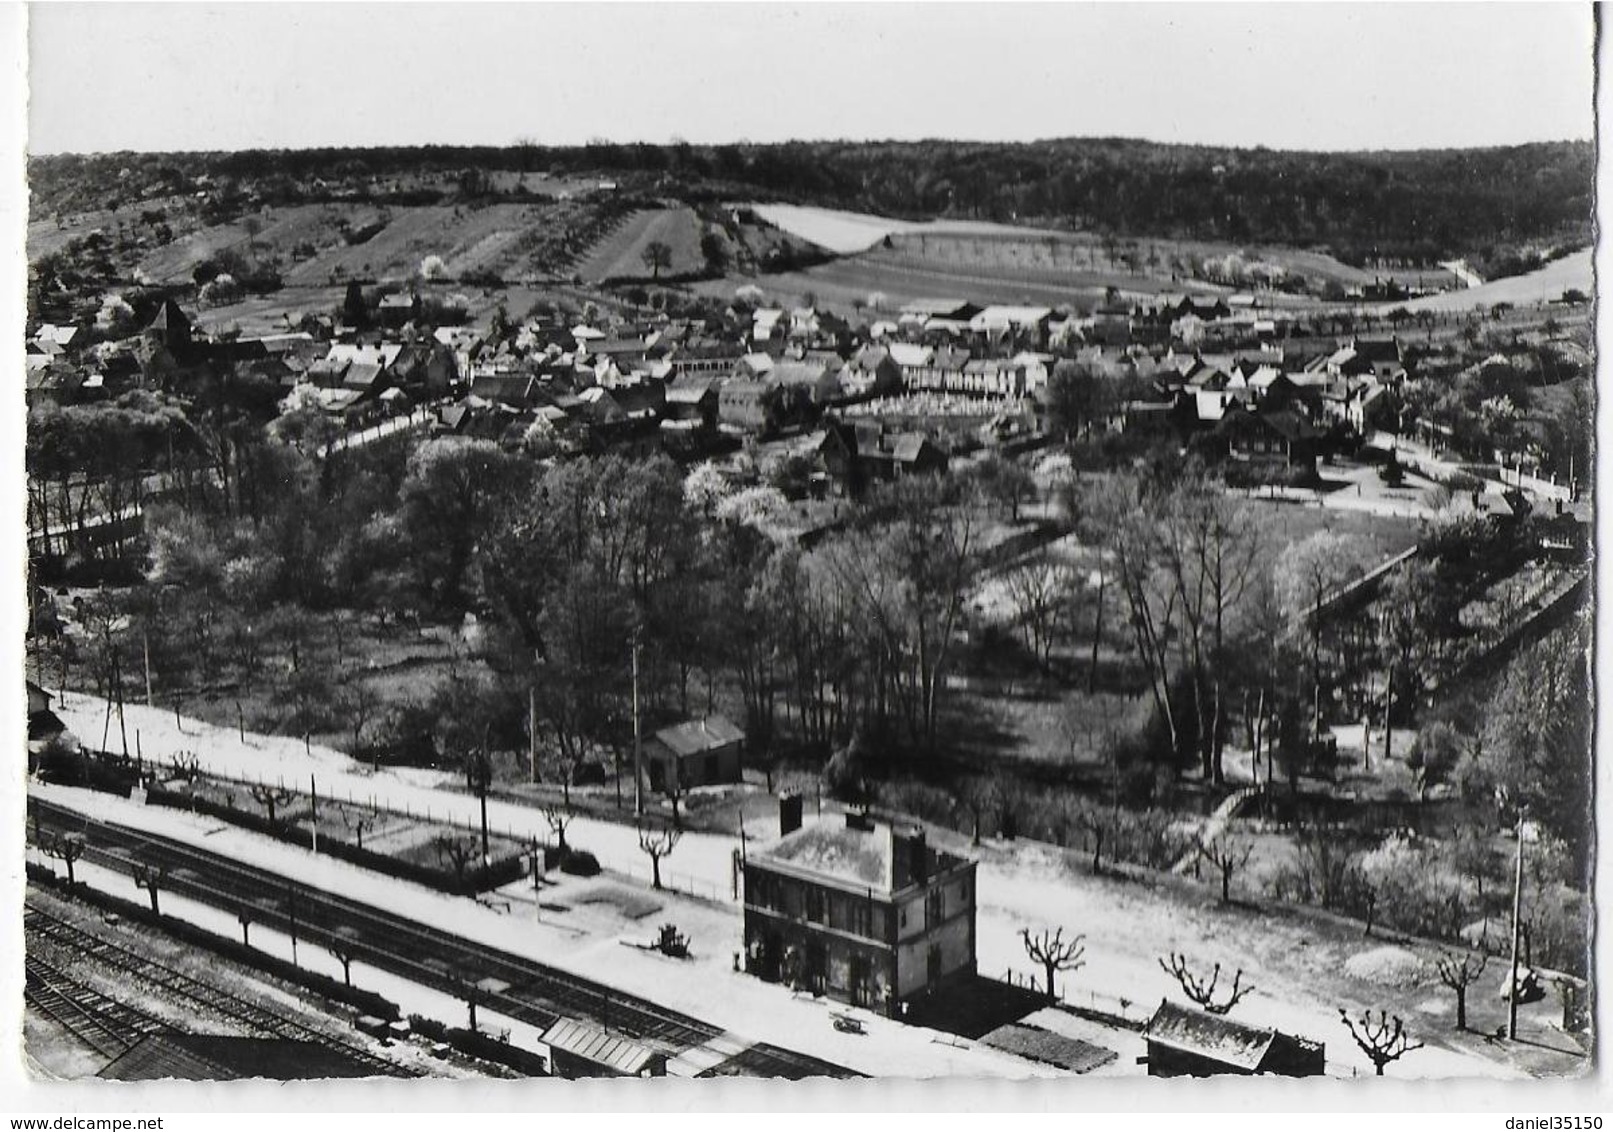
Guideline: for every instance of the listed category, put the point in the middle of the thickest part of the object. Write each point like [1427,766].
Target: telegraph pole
[1517,909]
[638,745]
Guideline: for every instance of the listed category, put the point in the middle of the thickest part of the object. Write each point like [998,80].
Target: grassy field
[45,236]
[1572,271]
[278,235]
[620,253]
[267,314]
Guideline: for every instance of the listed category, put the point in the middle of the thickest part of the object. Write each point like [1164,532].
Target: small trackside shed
[1192,1043]
[699,752]
[577,1049]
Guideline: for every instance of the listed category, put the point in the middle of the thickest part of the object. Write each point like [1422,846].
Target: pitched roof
[696,736]
[1209,1036]
[911,354]
[690,389]
[797,373]
[593,1044]
[361,375]
[1044,1045]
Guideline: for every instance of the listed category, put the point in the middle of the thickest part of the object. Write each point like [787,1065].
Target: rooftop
[860,856]
[858,852]
[582,1040]
[1216,1038]
[698,735]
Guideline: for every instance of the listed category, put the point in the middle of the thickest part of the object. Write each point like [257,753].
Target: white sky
[1346,76]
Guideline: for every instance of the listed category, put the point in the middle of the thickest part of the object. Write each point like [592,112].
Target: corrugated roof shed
[590,1043]
[1049,1048]
[1209,1036]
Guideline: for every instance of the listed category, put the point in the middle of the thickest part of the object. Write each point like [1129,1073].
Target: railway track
[514,986]
[140,970]
[109,1027]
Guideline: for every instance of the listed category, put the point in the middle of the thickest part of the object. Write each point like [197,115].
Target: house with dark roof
[692,397]
[817,381]
[1193,1043]
[1269,436]
[870,371]
[858,453]
[863,912]
[698,752]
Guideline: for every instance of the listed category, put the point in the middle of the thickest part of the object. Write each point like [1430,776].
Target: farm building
[1192,1043]
[864,913]
[745,406]
[699,752]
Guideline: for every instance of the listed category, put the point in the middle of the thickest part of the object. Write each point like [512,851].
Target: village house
[1272,437]
[864,913]
[816,382]
[857,454]
[870,372]
[1025,325]
[745,406]
[692,397]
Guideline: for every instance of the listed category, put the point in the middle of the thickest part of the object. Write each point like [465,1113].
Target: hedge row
[480,879]
[477,1044]
[365,1002]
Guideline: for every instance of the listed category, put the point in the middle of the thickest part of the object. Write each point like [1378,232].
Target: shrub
[579,863]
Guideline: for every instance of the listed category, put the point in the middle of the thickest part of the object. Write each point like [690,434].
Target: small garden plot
[623,901]
[445,857]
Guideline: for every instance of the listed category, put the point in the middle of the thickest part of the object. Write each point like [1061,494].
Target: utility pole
[1517,909]
[532,729]
[638,745]
[313,814]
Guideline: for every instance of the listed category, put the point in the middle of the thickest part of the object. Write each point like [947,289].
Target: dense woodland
[1500,207]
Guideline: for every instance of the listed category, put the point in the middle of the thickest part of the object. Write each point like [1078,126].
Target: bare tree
[1039,592]
[359,703]
[151,878]
[1460,972]
[359,822]
[270,797]
[559,817]
[187,767]
[1054,953]
[344,952]
[1227,855]
[66,848]
[1383,1040]
[459,851]
[657,842]
[1202,992]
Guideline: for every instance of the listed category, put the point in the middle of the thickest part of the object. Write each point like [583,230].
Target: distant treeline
[1416,206]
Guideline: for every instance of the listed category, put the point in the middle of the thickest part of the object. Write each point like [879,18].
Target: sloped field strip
[412,234]
[1573,271]
[282,232]
[621,253]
